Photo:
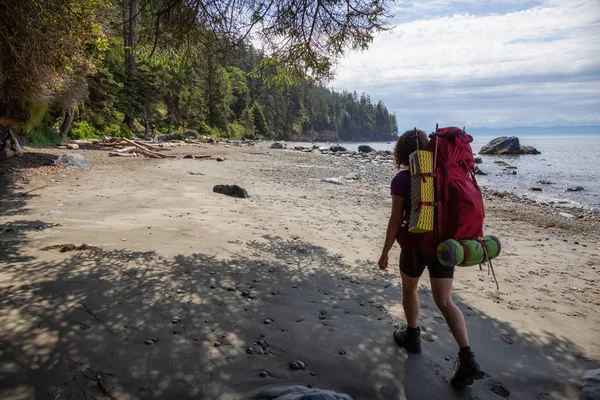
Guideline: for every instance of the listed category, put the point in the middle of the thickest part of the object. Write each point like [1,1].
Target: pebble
[149,342]
[342,352]
[232,288]
[268,321]
[197,339]
[246,293]
[176,332]
[256,280]
[447,359]
[263,374]
[313,374]
[271,269]
[212,286]
[217,344]
[250,350]
[297,364]
[275,293]
[299,320]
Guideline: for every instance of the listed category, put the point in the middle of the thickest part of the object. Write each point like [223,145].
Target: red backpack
[459,211]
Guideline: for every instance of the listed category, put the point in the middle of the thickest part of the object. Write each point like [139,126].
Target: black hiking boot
[408,339]
[468,370]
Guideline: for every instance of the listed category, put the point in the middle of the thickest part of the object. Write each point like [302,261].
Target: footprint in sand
[499,389]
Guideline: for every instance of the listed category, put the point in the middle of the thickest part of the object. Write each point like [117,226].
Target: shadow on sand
[78,328]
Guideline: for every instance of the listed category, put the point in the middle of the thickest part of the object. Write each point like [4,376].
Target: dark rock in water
[478,160]
[478,171]
[363,148]
[536,189]
[502,145]
[231,190]
[529,150]
[297,364]
[545,182]
[276,145]
[70,160]
[575,189]
[337,148]
[507,145]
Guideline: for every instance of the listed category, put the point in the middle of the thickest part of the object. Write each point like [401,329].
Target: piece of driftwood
[115,154]
[9,146]
[139,144]
[142,150]
[126,149]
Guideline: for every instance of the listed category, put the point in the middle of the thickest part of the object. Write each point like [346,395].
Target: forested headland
[84,69]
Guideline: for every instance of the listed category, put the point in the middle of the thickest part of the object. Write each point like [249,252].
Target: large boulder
[363,148]
[507,145]
[337,148]
[294,393]
[276,145]
[71,160]
[231,190]
[591,385]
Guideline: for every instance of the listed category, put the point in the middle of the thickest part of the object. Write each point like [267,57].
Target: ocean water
[566,161]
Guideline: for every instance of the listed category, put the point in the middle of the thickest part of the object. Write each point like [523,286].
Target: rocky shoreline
[370,169]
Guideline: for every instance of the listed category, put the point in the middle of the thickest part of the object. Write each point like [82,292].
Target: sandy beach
[193,294]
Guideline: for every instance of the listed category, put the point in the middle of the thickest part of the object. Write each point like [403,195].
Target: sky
[483,63]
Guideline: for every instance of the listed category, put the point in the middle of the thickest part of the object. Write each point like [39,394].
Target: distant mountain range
[536,130]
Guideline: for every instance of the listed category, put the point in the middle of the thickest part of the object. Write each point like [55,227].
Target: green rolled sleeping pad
[452,252]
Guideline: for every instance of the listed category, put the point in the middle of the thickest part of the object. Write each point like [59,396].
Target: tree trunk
[170,125]
[67,115]
[9,146]
[144,116]
[129,24]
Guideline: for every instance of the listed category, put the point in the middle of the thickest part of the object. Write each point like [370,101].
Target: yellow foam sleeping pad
[421,191]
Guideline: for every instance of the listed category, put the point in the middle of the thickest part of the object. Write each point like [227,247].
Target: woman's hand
[383,261]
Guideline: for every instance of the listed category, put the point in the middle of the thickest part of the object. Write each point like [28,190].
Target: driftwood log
[120,154]
[9,146]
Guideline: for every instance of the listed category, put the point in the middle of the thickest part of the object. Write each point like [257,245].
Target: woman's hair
[406,144]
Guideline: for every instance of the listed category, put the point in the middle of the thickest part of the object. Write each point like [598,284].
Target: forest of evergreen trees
[135,68]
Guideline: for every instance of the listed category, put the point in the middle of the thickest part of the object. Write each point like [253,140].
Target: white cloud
[546,55]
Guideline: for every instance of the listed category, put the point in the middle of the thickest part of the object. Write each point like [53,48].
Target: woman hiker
[412,264]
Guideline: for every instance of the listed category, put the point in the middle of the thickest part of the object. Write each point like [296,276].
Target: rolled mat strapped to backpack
[422,190]
[466,253]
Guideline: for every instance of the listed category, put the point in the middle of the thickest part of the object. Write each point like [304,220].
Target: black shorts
[413,263]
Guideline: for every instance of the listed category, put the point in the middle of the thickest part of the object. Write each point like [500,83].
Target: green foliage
[235,131]
[43,137]
[259,121]
[81,130]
